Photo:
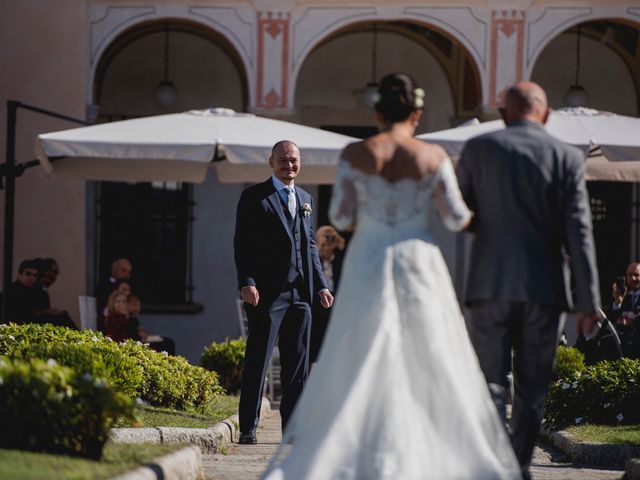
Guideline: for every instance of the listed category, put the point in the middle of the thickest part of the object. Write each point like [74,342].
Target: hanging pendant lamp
[576,95]
[370,92]
[166,93]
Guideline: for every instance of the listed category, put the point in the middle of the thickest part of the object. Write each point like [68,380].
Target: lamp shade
[369,94]
[166,94]
[576,96]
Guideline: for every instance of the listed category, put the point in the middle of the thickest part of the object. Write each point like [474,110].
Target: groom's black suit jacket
[263,243]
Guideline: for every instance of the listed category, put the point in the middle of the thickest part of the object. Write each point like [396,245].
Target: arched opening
[153,224]
[334,75]
[608,69]
[203,66]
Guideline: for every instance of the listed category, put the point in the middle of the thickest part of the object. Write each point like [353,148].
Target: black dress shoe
[248,438]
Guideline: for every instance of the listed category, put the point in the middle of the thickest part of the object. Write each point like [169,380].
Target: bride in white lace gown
[397,391]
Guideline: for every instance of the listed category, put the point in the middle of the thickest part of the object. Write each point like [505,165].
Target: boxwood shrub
[130,366]
[170,381]
[48,407]
[569,361]
[227,359]
[607,393]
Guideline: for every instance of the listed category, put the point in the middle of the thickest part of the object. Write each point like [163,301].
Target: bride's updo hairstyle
[398,96]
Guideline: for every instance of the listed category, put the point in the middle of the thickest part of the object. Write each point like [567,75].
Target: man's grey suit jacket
[528,194]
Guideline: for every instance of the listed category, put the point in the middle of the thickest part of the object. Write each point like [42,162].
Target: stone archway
[334,74]
[609,65]
[203,65]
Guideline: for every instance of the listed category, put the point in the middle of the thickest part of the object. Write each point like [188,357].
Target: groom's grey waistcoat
[527,191]
[295,267]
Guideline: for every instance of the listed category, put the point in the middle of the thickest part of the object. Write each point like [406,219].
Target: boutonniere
[305,209]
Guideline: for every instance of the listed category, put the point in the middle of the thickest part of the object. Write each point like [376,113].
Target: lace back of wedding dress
[394,203]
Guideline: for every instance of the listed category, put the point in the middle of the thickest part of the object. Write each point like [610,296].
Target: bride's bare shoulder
[360,156]
[429,156]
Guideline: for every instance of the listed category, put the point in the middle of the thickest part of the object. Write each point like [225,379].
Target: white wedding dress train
[397,392]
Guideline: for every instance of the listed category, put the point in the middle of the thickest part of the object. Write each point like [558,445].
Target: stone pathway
[551,464]
[247,462]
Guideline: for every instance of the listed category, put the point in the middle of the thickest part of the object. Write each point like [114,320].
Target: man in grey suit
[530,203]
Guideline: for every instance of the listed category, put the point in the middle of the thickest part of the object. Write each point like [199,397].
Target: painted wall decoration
[272,72]
[506,51]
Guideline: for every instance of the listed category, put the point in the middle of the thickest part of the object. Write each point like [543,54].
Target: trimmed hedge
[227,359]
[48,407]
[569,361]
[607,393]
[130,366]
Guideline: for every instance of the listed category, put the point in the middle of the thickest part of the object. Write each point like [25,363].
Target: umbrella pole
[9,170]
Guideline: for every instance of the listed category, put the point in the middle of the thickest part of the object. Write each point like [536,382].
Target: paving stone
[246,462]
[550,464]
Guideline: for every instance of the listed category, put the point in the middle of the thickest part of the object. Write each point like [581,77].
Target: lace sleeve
[448,199]
[343,200]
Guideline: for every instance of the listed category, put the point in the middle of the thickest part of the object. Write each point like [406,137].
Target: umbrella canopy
[182,146]
[612,142]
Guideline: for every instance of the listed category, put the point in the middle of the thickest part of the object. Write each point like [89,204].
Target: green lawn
[626,434]
[222,407]
[21,465]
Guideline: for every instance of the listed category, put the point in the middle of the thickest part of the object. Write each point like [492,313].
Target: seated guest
[117,318]
[48,272]
[120,286]
[121,269]
[137,332]
[22,297]
[625,311]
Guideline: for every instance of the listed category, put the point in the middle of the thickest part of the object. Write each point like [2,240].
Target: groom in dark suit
[528,195]
[279,272]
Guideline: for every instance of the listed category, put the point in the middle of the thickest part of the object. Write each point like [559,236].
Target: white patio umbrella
[182,146]
[612,142]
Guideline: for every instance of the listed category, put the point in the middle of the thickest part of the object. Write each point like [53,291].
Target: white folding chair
[273,373]
[88,312]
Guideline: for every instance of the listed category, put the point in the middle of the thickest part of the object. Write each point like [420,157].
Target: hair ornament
[418,98]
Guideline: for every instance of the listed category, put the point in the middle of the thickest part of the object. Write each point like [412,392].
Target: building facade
[303,61]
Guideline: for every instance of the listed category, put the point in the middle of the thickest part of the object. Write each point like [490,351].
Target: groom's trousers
[288,320]
[519,337]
